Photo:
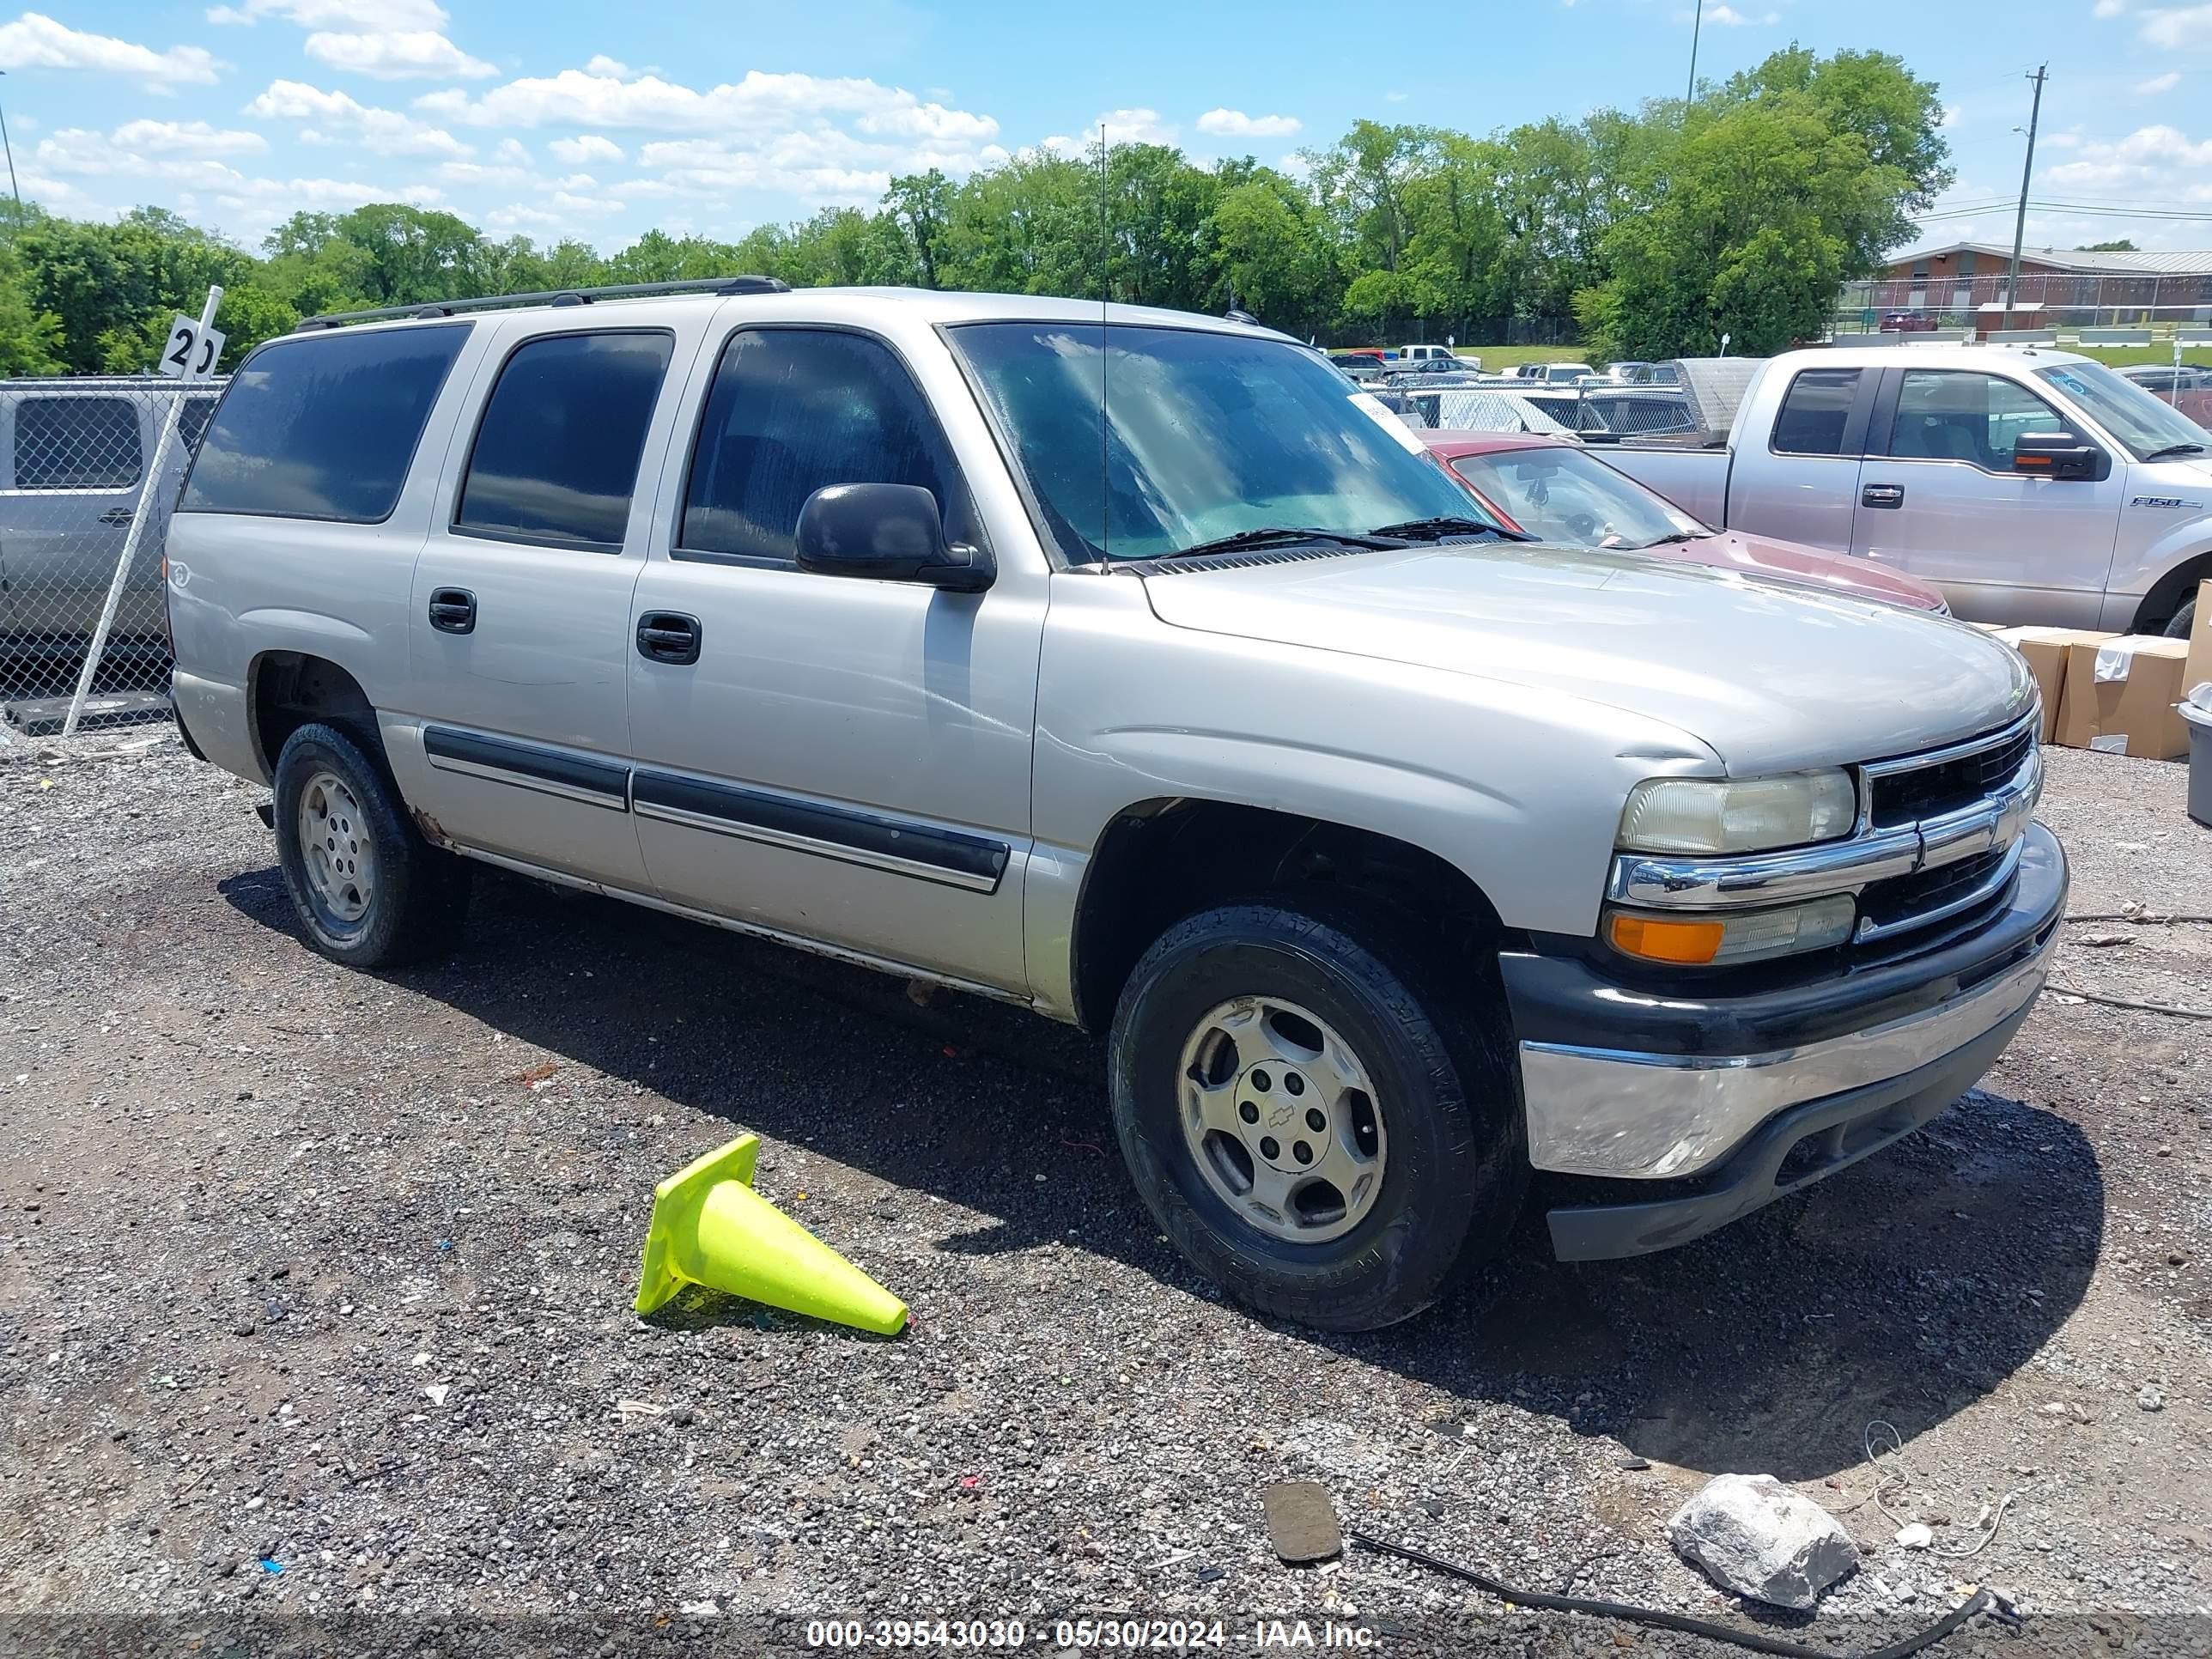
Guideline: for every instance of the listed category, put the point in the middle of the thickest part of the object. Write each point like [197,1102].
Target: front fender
[1520,790]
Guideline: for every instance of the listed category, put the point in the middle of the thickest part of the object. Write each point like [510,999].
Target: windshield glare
[1206,434]
[2124,409]
[1561,494]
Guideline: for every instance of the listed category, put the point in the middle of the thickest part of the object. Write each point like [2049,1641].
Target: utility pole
[1697,27]
[2027,168]
[10,149]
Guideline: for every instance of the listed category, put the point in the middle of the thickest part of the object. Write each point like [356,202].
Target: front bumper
[1713,1107]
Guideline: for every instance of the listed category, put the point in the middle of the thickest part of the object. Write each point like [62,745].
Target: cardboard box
[2199,668]
[2045,649]
[2120,694]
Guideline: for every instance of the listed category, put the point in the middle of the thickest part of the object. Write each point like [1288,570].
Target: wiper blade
[2175,449]
[1678,536]
[1280,536]
[1434,530]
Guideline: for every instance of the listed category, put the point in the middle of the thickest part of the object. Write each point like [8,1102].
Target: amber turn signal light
[1658,938]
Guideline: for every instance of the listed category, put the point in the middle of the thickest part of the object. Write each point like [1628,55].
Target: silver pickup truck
[1134,667]
[2031,485]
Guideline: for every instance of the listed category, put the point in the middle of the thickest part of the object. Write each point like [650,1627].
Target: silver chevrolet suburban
[1134,667]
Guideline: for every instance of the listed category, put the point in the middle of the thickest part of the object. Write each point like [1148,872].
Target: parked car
[73,459]
[1645,374]
[1359,365]
[1426,354]
[2189,390]
[1907,322]
[1394,857]
[1553,489]
[2030,485]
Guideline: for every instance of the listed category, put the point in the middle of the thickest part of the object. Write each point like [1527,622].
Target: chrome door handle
[1883,495]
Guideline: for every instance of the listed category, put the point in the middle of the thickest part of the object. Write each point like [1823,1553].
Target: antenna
[1105,341]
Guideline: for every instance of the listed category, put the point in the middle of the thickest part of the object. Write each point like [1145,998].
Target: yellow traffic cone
[710,1228]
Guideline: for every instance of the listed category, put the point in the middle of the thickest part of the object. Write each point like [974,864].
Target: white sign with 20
[191,352]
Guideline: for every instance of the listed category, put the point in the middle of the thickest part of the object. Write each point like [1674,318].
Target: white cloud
[523,218]
[2109,7]
[36,41]
[2177,28]
[1396,97]
[601,63]
[513,151]
[1728,17]
[337,114]
[348,16]
[398,55]
[1235,124]
[571,202]
[1949,119]
[588,147]
[186,138]
[2158,83]
[2158,160]
[762,103]
[1135,126]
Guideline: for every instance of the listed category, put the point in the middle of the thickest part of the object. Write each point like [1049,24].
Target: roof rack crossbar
[567,297]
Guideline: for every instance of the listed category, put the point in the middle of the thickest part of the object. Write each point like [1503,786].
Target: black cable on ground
[1979,1601]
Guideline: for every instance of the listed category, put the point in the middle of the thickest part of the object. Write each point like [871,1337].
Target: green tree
[30,339]
[2122,245]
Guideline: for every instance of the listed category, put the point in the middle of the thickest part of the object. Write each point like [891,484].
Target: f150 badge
[2161,501]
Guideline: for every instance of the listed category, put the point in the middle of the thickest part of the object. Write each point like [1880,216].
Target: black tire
[2182,622]
[1457,1168]
[420,894]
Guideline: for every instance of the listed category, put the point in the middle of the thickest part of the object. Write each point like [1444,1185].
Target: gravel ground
[308,1270]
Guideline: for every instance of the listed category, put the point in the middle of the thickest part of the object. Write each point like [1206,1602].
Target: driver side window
[1951,415]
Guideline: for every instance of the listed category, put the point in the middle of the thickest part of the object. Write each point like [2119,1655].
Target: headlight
[1745,936]
[1731,815]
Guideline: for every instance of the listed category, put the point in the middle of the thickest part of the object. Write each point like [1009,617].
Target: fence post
[139,520]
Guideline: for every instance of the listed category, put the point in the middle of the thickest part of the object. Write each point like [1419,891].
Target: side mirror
[2059,455]
[888,532]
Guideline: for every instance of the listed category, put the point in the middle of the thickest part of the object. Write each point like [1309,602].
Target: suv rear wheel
[368,890]
[1312,1119]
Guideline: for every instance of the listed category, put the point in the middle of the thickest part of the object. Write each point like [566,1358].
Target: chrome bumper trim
[1614,1113]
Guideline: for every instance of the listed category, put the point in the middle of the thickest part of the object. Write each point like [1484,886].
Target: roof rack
[565,297]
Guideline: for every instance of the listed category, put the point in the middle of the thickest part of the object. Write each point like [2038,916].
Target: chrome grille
[1925,791]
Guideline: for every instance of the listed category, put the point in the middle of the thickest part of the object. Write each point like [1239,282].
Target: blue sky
[602,121]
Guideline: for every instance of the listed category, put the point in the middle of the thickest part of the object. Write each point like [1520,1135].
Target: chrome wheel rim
[336,848]
[1280,1114]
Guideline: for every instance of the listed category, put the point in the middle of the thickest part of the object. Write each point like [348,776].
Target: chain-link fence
[89,471]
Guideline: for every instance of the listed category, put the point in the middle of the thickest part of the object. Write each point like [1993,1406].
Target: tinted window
[792,410]
[1813,409]
[323,425]
[1946,417]
[556,453]
[77,443]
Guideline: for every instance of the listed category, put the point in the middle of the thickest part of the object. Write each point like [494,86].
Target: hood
[1763,555]
[1773,677]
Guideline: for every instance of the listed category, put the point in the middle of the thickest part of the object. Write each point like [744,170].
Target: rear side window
[323,425]
[1814,411]
[791,411]
[556,454]
[77,443]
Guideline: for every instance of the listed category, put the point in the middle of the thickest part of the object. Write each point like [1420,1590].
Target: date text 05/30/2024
[1080,1635]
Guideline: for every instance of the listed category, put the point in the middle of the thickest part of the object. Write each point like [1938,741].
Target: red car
[1551,488]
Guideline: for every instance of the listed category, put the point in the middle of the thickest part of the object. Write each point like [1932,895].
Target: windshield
[1206,435]
[2124,409]
[1561,494]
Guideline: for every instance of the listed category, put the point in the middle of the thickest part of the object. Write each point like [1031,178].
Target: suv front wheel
[1316,1121]
[368,888]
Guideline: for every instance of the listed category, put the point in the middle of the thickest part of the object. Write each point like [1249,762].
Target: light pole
[11,149]
[1697,27]
[2026,172]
